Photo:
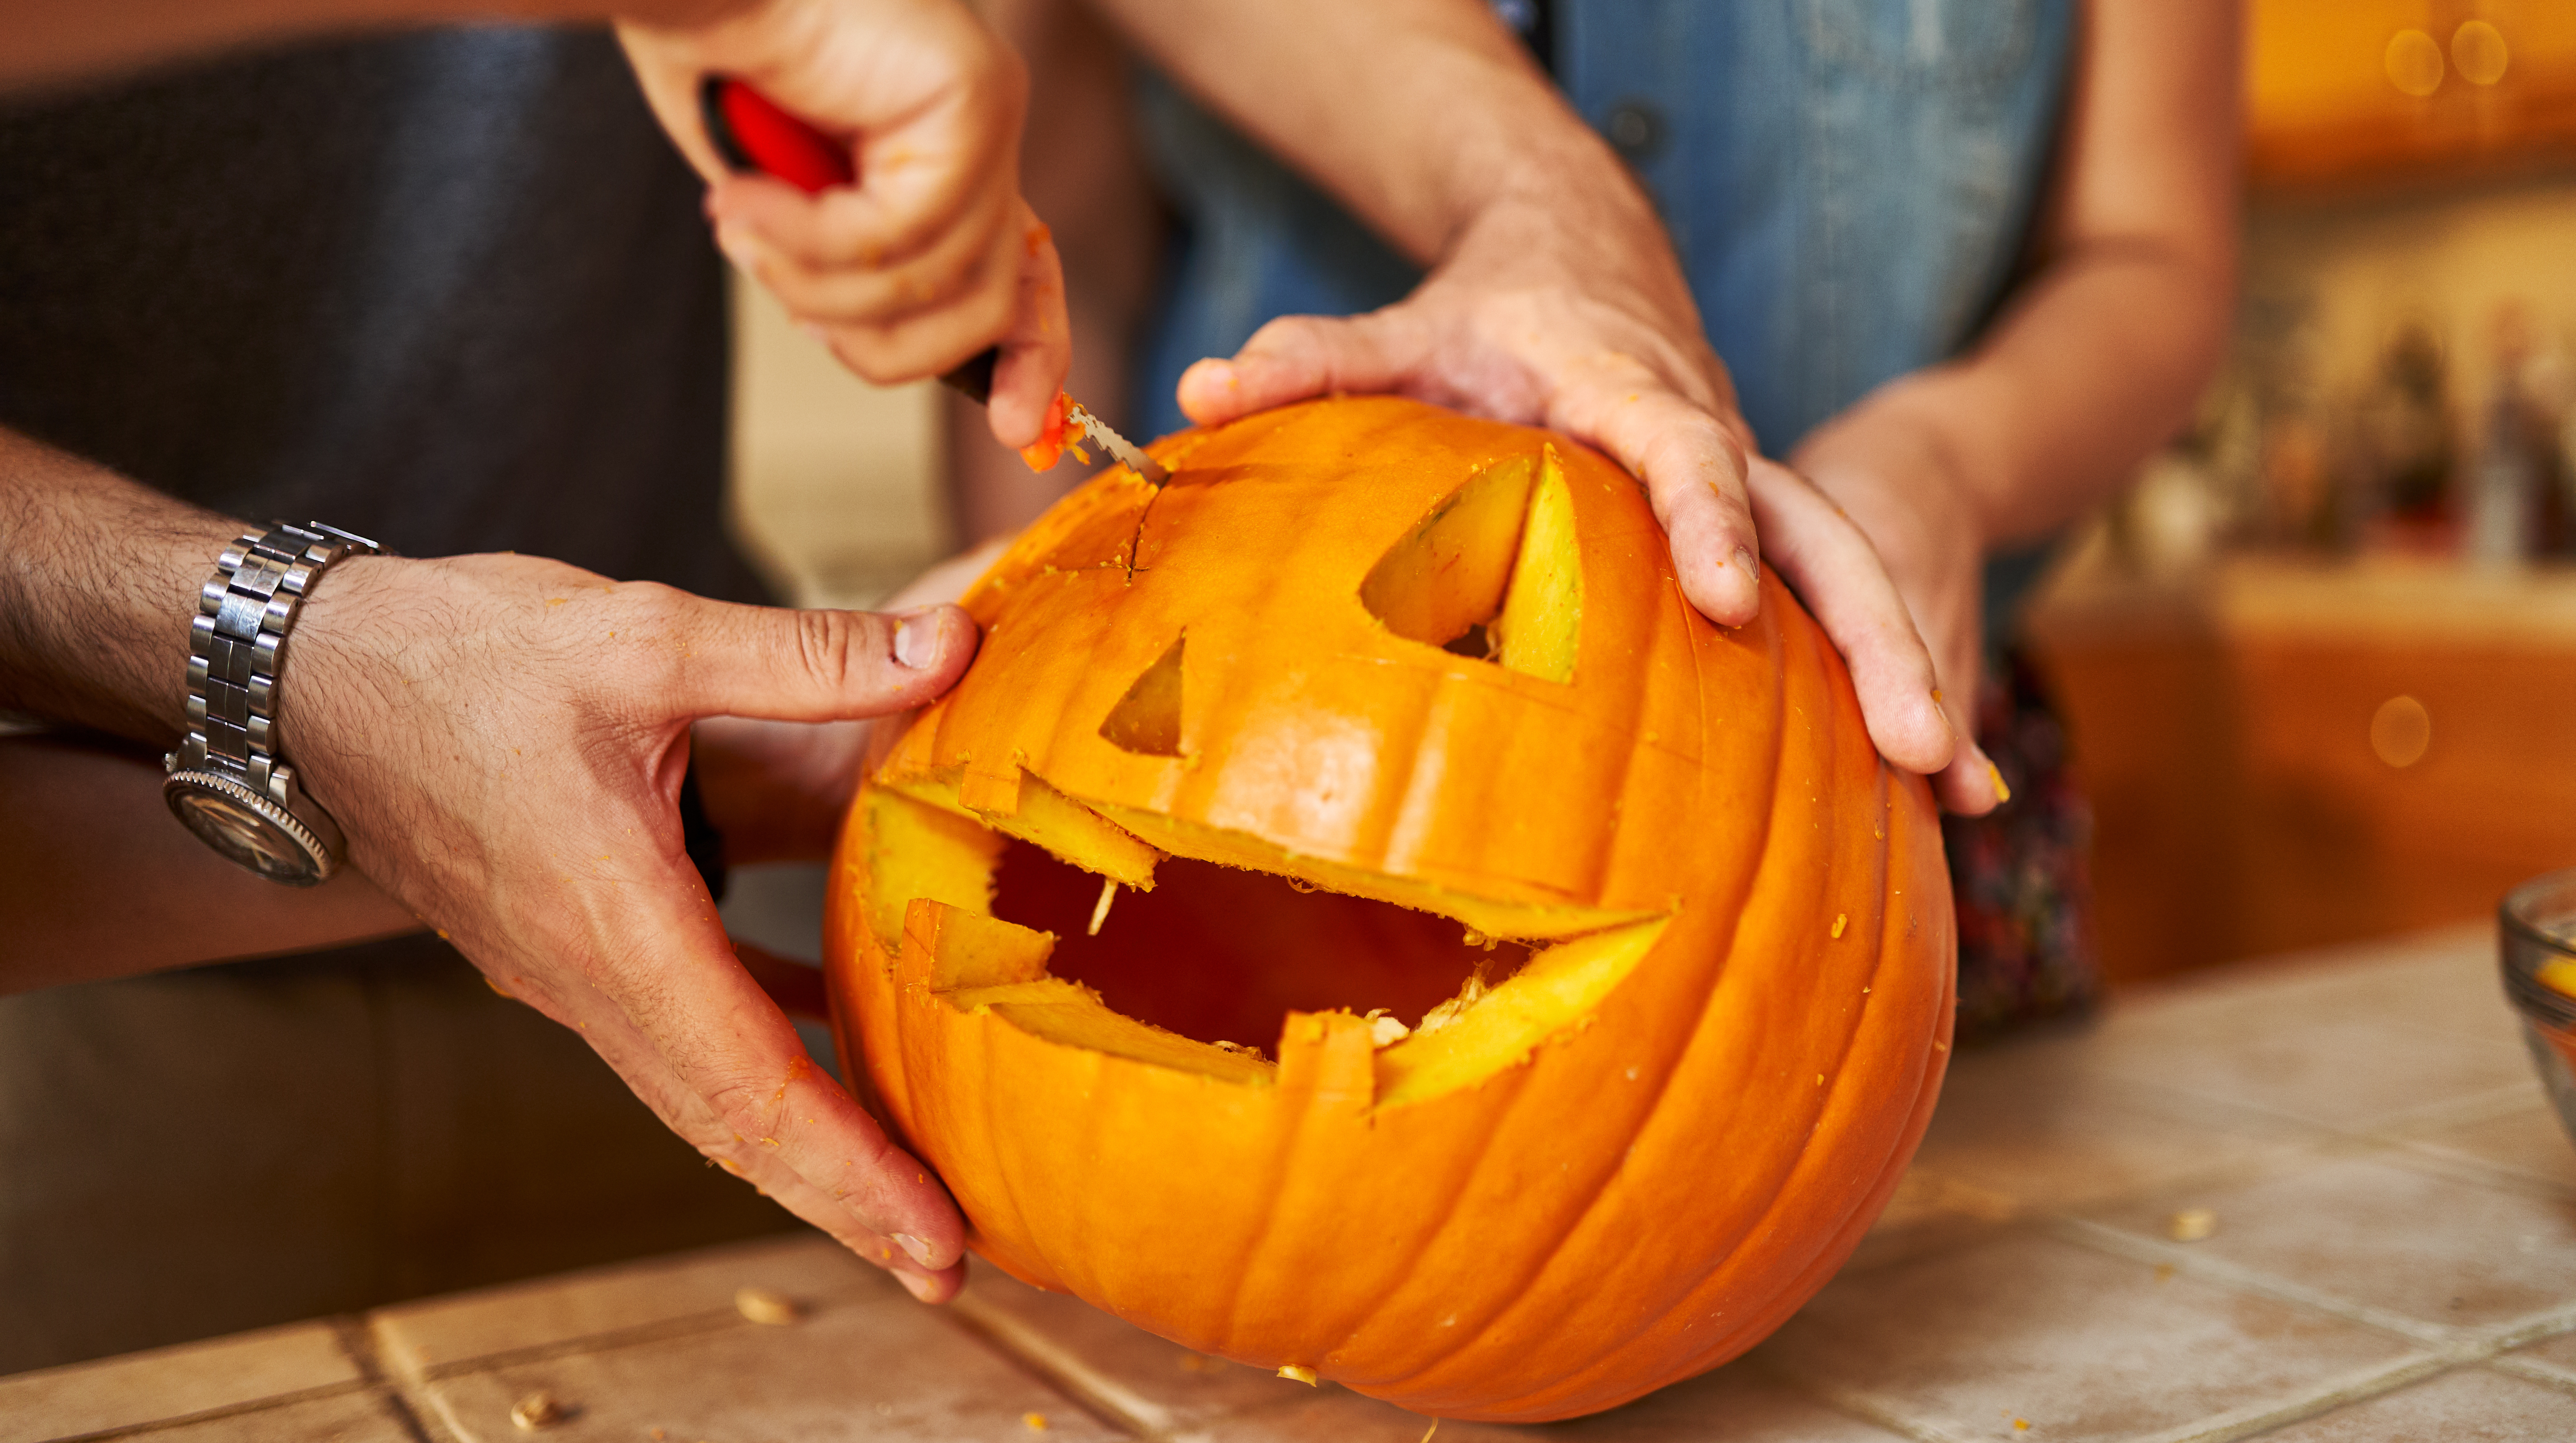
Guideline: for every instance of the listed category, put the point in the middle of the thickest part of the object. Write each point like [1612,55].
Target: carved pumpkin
[1519,993]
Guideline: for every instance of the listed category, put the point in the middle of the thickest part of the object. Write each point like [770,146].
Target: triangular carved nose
[1147,720]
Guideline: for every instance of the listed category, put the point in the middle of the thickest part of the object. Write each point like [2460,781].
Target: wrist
[1900,446]
[331,646]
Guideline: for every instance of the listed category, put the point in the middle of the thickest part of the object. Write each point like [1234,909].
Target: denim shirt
[1848,184]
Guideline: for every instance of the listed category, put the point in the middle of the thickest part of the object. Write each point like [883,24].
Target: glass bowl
[2538,927]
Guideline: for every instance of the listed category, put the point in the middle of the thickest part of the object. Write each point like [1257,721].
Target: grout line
[1869,1408]
[689,1326]
[2101,1237]
[2497,1102]
[398,1402]
[686,1325]
[1115,1402]
[2471,1343]
[229,1410]
[2535,1371]
[355,1333]
[2428,1157]
[2351,1387]
[2531,1328]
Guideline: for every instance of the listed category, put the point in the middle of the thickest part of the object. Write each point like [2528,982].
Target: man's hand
[1596,335]
[502,738]
[933,255]
[1553,299]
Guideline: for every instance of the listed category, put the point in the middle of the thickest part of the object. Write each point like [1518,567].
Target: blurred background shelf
[2341,90]
[2287,753]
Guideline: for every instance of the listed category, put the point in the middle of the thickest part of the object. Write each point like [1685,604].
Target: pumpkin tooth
[1109,894]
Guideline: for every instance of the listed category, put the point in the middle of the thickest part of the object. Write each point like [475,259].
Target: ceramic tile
[1930,1213]
[871,1367]
[2078,1345]
[418,1339]
[1735,1404]
[2556,1356]
[2377,1233]
[2527,1142]
[2351,1070]
[1125,1370]
[178,1382]
[2037,1124]
[1732,1405]
[2466,1405]
[2441,981]
[368,1416]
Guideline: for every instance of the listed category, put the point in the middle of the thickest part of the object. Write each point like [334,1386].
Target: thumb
[1295,357]
[820,665]
[1037,352]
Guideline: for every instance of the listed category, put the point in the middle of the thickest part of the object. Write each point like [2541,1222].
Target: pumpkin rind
[1643,1194]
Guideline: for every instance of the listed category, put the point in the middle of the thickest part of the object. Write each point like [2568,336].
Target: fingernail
[2003,793]
[920,1287]
[919,1250]
[1943,713]
[736,245]
[916,640]
[1744,559]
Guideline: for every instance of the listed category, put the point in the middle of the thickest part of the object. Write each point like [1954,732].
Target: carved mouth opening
[1223,955]
[1213,939]
[1125,931]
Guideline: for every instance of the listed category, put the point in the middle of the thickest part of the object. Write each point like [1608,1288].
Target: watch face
[246,832]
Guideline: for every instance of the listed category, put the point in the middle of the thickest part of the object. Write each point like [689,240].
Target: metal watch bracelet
[228,781]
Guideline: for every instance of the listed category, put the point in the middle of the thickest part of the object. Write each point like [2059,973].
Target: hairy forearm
[98,580]
[97,880]
[53,41]
[1416,114]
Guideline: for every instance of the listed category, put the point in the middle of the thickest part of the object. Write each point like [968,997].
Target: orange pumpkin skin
[1641,1195]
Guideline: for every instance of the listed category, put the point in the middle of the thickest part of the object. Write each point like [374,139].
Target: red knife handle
[755,136]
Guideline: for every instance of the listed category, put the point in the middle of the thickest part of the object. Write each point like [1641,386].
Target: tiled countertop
[2393,1256]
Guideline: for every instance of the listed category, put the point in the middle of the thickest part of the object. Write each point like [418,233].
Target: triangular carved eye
[1147,720]
[1493,572]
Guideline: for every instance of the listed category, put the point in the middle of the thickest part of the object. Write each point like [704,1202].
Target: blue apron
[1849,185]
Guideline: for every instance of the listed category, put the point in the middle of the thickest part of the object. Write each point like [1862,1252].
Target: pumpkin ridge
[1711,979]
[1827,1257]
[1241,1275]
[1517,1079]
[1788,1195]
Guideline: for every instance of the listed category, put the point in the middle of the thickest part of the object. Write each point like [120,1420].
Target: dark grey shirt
[448,289]
[451,290]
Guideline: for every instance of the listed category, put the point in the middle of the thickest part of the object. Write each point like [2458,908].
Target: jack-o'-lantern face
[1355,916]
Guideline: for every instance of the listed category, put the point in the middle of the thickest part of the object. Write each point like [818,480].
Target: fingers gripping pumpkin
[1356,916]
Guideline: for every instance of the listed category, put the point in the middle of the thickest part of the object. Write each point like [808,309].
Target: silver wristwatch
[227,781]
